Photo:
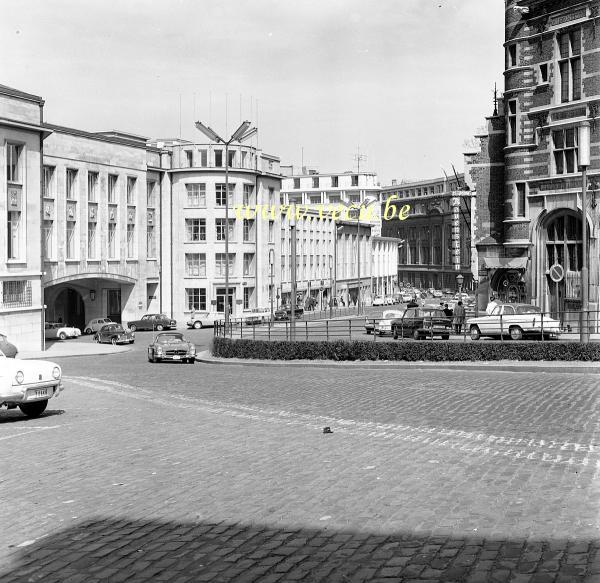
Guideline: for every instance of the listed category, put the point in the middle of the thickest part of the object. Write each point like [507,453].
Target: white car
[384,326]
[257,316]
[406,297]
[516,320]
[203,320]
[28,384]
[95,325]
[437,293]
[54,330]
[389,300]
[379,301]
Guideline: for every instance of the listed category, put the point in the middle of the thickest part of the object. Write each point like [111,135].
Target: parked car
[514,320]
[406,297]
[28,384]
[384,326]
[257,316]
[9,349]
[437,293]
[54,330]
[114,334]
[389,301]
[203,320]
[422,322]
[284,313]
[171,346]
[152,322]
[95,325]
[379,301]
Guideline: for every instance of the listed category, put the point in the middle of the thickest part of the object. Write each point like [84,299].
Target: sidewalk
[544,366]
[60,349]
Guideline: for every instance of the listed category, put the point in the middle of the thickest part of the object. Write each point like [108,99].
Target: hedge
[407,351]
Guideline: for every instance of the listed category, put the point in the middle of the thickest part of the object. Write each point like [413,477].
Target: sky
[403,83]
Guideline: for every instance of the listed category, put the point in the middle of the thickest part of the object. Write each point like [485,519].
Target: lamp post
[331,292]
[272,268]
[240,135]
[584,162]
[366,202]
[459,282]
[293,298]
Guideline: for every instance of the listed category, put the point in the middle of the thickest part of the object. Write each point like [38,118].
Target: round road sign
[557,272]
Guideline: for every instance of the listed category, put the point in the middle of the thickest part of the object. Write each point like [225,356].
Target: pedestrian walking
[459,317]
[448,311]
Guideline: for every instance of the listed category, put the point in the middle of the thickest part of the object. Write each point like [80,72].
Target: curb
[561,367]
[45,355]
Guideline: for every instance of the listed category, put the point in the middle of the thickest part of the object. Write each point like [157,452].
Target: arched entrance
[69,308]
[562,235]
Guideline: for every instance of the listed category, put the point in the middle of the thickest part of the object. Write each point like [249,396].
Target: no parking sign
[557,272]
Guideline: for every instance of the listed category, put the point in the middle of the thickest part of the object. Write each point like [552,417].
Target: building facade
[551,95]
[436,242]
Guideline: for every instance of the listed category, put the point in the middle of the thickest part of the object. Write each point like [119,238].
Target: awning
[504,262]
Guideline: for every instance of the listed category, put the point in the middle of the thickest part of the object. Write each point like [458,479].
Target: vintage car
[284,312]
[379,301]
[384,326]
[422,322]
[28,384]
[203,320]
[54,330]
[114,334]
[515,320]
[171,346]
[152,322]
[9,349]
[95,325]
[256,316]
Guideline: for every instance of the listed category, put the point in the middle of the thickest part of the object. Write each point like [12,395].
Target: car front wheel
[87,331]
[159,328]
[62,336]
[197,325]
[34,409]
[132,327]
[516,333]
[475,333]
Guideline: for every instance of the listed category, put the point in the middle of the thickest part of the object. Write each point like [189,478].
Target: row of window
[195,264]
[214,158]
[195,299]
[195,230]
[321,181]
[196,195]
[423,190]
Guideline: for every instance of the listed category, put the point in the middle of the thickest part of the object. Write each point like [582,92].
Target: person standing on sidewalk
[459,317]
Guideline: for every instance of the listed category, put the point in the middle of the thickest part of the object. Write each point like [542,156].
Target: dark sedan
[153,322]
[420,323]
[114,334]
[171,346]
[284,313]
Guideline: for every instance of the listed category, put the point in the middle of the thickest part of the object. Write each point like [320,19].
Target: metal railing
[543,326]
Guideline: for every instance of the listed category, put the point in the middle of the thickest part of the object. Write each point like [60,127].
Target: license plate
[176,357]
[35,393]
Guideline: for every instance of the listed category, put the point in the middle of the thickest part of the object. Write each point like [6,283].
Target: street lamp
[271,267]
[293,298]
[240,135]
[331,296]
[584,162]
[459,282]
[365,203]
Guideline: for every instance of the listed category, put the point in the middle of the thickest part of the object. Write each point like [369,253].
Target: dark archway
[69,308]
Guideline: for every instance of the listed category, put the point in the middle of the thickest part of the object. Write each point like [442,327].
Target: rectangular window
[203,158]
[91,247]
[220,264]
[247,297]
[248,230]
[334,181]
[196,194]
[112,240]
[271,196]
[49,181]
[520,206]
[248,264]
[512,55]
[315,182]
[131,189]
[565,150]
[248,197]
[189,158]
[92,186]
[220,194]
[130,241]
[195,264]
[70,243]
[231,158]
[150,193]
[218,158]
[71,183]
[13,234]
[195,230]
[220,229]
[354,180]
[512,121]
[195,298]
[150,242]
[569,64]
[112,188]
[48,239]
[271,232]
[16,294]
[13,163]
[296,182]
[543,73]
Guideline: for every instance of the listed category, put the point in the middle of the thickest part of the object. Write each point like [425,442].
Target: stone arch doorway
[69,308]
[562,244]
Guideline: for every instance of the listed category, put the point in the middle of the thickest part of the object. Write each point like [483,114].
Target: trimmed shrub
[341,350]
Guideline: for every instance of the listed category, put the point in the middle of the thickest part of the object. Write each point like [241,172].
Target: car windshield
[166,338]
[528,310]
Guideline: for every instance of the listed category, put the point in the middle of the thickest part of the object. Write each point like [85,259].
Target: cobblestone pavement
[169,472]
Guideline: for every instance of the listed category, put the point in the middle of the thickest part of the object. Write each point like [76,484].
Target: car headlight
[56,373]
[20,377]
[159,350]
[192,350]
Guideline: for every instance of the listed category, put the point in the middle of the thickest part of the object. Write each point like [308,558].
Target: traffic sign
[557,272]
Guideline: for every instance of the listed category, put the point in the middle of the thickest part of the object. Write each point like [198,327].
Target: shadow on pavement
[149,550]
[14,415]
